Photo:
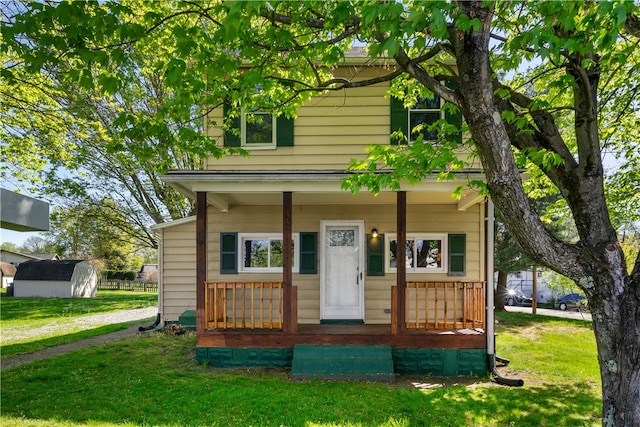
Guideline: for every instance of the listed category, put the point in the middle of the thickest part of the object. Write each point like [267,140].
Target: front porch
[430,327]
[436,315]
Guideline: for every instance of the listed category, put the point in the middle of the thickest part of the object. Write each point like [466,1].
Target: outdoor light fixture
[374,232]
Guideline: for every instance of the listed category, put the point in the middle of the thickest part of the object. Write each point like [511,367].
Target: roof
[22,213]
[173,223]
[45,255]
[264,187]
[34,256]
[7,269]
[46,270]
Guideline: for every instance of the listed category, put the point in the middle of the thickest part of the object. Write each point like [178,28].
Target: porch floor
[338,334]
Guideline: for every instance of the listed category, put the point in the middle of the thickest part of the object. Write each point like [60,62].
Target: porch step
[342,362]
[188,320]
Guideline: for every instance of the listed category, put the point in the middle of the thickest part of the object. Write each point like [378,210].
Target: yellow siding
[420,218]
[178,269]
[330,129]
[178,251]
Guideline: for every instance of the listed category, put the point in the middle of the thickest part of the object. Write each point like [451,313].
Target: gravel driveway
[552,312]
[141,314]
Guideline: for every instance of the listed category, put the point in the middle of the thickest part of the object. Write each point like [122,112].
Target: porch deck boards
[331,334]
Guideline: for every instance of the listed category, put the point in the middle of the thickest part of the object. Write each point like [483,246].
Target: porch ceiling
[228,188]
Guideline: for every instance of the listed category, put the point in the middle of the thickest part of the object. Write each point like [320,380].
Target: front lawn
[153,379]
[31,324]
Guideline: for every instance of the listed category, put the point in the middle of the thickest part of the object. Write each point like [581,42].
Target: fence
[254,305]
[434,305]
[127,285]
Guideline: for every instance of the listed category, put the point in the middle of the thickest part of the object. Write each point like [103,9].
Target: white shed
[66,278]
[7,272]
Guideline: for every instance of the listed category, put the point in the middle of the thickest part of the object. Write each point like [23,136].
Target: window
[263,252]
[425,253]
[422,115]
[258,129]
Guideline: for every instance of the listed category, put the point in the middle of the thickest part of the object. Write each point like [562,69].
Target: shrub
[119,275]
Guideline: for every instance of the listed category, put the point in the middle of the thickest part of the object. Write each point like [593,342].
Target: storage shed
[7,272]
[66,278]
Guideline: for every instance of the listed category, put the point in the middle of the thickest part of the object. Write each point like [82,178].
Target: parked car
[517,297]
[571,301]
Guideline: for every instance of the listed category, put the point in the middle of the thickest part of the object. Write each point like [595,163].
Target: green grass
[26,322]
[38,311]
[153,380]
[38,344]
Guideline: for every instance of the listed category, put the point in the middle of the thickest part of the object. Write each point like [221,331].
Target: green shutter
[228,253]
[231,139]
[308,253]
[457,254]
[375,255]
[399,120]
[284,131]
[454,119]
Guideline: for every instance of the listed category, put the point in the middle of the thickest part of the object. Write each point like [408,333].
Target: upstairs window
[415,121]
[258,129]
[423,115]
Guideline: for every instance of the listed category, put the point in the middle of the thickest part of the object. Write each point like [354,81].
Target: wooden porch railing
[444,305]
[235,305]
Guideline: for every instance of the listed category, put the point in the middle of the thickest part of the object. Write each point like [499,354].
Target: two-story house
[281,264]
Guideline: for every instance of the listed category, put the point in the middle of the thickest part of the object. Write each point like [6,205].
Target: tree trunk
[501,291]
[615,309]
[596,263]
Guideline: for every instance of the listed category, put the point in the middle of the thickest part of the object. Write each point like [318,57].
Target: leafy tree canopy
[575,102]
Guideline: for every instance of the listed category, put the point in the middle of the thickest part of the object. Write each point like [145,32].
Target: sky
[17,237]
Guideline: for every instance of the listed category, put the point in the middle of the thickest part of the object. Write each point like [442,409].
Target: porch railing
[445,305]
[235,305]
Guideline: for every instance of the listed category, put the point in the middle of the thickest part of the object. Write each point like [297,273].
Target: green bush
[119,275]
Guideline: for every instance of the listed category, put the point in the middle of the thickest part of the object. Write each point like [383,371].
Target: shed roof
[46,270]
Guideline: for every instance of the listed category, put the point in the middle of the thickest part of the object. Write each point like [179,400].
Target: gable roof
[7,269]
[45,255]
[46,270]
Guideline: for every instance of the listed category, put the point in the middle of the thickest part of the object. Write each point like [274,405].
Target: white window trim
[423,110]
[243,133]
[418,236]
[266,236]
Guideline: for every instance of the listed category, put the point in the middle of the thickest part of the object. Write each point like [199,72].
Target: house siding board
[325,122]
[178,270]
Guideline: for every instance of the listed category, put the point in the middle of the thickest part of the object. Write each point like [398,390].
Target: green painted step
[342,362]
[188,320]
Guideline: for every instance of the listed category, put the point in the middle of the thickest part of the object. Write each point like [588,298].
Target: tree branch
[413,68]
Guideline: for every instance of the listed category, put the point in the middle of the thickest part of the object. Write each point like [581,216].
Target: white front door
[342,270]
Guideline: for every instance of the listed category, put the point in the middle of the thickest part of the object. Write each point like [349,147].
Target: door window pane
[341,238]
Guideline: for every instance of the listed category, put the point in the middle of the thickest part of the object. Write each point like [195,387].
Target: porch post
[289,317]
[401,255]
[201,257]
